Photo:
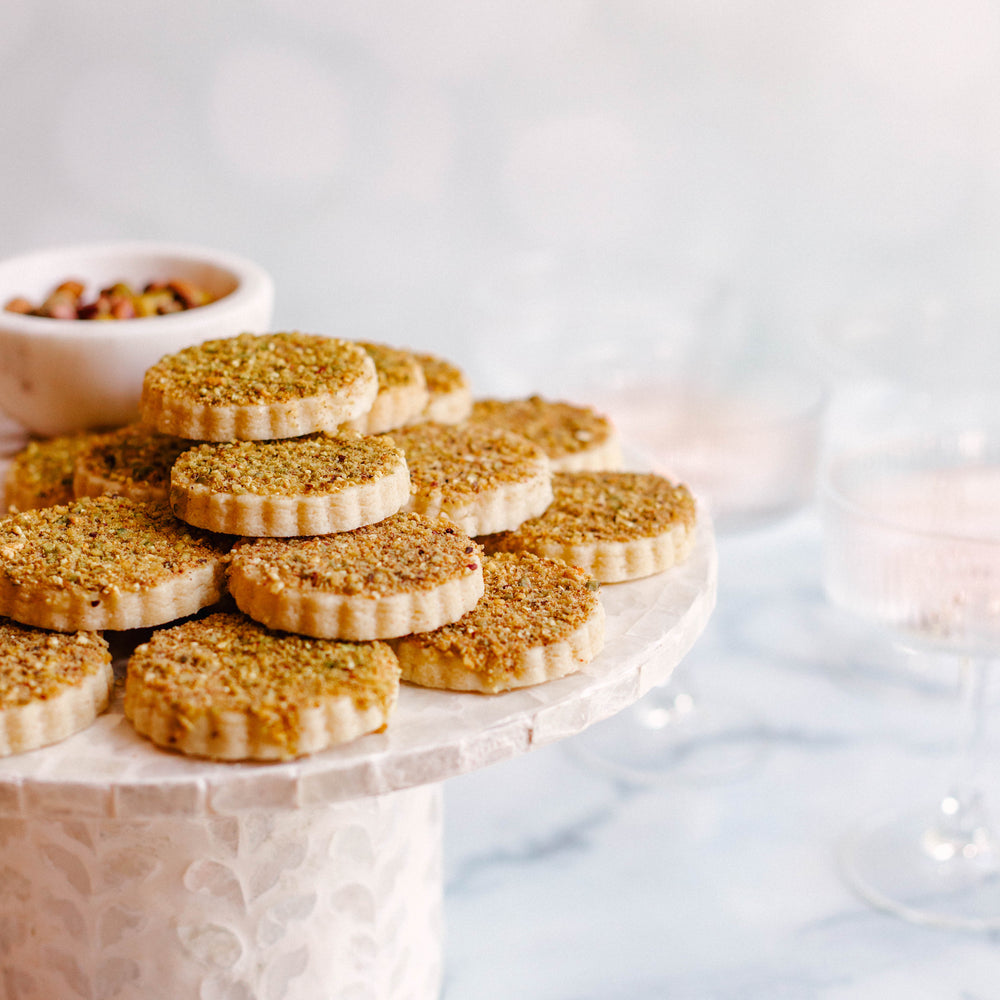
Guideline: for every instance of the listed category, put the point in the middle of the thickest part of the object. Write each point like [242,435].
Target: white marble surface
[566,883]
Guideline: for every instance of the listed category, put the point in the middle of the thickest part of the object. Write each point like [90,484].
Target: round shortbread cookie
[106,563]
[310,485]
[574,437]
[132,461]
[51,685]
[538,620]
[407,573]
[41,473]
[449,391]
[616,525]
[256,387]
[484,478]
[402,390]
[227,688]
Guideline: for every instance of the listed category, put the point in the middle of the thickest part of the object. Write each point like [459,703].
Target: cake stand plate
[131,872]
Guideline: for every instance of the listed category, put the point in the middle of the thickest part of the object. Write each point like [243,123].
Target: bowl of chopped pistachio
[79,325]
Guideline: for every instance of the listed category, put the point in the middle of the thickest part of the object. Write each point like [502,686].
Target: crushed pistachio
[98,544]
[41,473]
[442,377]
[310,465]
[603,506]
[394,367]
[529,601]
[226,662]
[254,369]
[465,460]
[135,454]
[37,665]
[404,552]
[559,428]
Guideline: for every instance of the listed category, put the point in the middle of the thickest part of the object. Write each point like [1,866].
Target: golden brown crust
[309,485]
[538,619]
[132,461]
[406,573]
[617,525]
[105,562]
[485,479]
[574,437]
[258,387]
[227,687]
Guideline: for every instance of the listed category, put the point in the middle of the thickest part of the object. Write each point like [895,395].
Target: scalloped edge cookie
[575,437]
[407,573]
[52,685]
[132,461]
[484,478]
[228,688]
[256,387]
[311,485]
[41,473]
[616,525]
[539,619]
[402,390]
[449,391]
[106,563]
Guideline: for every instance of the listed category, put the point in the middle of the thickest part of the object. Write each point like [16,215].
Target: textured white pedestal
[340,901]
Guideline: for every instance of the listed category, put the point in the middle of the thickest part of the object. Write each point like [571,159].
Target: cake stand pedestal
[130,873]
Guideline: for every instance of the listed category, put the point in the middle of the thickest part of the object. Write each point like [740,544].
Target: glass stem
[962,829]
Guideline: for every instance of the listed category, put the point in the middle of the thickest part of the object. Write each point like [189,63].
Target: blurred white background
[467,176]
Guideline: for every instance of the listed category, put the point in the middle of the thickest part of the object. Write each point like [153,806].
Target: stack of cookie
[365,520]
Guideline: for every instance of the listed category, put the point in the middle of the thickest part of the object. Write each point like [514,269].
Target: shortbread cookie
[449,392]
[51,685]
[105,563]
[616,525]
[402,390]
[574,437]
[255,387]
[408,573]
[483,478]
[538,620]
[132,461]
[41,473]
[228,688]
[310,485]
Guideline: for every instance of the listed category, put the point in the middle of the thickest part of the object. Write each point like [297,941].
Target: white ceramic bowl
[61,375]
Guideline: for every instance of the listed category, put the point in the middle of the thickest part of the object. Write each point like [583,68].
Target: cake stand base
[342,901]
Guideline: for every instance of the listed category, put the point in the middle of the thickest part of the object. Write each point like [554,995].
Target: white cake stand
[129,872]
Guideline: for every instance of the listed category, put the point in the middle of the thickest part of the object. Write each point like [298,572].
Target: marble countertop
[718,878]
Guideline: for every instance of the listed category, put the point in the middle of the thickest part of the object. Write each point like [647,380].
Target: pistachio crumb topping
[314,464]
[41,473]
[226,662]
[605,506]
[558,427]
[465,460]
[404,552]
[441,375]
[99,544]
[393,366]
[530,601]
[133,454]
[37,665]
[255,369]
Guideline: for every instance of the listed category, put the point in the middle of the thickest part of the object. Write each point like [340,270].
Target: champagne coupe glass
[743,432]
[912,541]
